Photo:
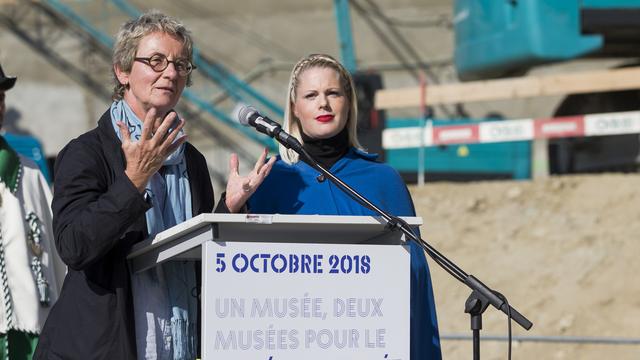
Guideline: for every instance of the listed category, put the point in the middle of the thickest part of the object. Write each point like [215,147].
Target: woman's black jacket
[98,214]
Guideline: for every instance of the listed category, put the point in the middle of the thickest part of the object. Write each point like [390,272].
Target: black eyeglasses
[159,63]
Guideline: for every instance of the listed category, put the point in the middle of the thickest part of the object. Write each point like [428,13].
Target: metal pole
[345,35]
[424,122]
[421,153]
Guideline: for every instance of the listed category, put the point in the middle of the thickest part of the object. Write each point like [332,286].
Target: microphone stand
[481,295]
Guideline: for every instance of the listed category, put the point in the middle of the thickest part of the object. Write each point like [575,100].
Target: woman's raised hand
[240,188]
[146,156]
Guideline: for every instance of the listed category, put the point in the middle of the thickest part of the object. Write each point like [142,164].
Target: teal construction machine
[507,38]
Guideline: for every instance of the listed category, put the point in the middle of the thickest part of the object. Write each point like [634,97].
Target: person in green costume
[28,262]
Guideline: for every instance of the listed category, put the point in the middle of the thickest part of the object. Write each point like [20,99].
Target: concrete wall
[248,36]
[253,38]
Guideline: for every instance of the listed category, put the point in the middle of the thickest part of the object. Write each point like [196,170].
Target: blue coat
[295,189]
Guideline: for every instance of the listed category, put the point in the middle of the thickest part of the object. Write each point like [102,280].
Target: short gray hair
[130,34]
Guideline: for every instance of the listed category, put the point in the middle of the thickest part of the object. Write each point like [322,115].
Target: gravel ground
[562,250]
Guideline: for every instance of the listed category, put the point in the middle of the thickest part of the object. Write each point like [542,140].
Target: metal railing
[549,339]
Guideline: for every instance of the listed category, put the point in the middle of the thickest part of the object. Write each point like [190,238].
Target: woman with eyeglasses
[128,179]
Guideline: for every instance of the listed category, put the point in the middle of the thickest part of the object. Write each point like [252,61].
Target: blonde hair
[130,34]
[292,123]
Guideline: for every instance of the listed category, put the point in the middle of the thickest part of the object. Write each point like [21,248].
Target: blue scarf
[172,308]
[170,194]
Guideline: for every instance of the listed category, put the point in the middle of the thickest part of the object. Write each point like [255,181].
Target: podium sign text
[277,301]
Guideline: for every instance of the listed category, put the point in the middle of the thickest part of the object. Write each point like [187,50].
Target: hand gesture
[145,157]
[240,188]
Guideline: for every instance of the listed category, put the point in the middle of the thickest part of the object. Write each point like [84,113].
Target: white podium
[280,287]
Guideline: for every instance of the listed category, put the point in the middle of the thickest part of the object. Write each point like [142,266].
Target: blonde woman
[321,113]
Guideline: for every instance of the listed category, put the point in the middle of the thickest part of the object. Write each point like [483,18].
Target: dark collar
[9,166]
[327,151]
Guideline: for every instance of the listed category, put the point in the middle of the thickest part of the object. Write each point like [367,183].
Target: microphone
[249,116]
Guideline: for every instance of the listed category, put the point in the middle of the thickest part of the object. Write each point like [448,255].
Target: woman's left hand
[240,188]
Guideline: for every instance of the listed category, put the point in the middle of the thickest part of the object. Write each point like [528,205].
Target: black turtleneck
[327,151]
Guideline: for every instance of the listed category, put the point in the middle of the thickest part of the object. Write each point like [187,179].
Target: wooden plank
[512,88]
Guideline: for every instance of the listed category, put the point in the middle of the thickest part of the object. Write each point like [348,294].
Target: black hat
[6,82]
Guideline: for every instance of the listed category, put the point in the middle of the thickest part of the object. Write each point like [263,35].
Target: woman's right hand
[146,156]
[240,188]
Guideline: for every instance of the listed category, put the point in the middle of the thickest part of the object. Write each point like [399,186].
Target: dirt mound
[563,250]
